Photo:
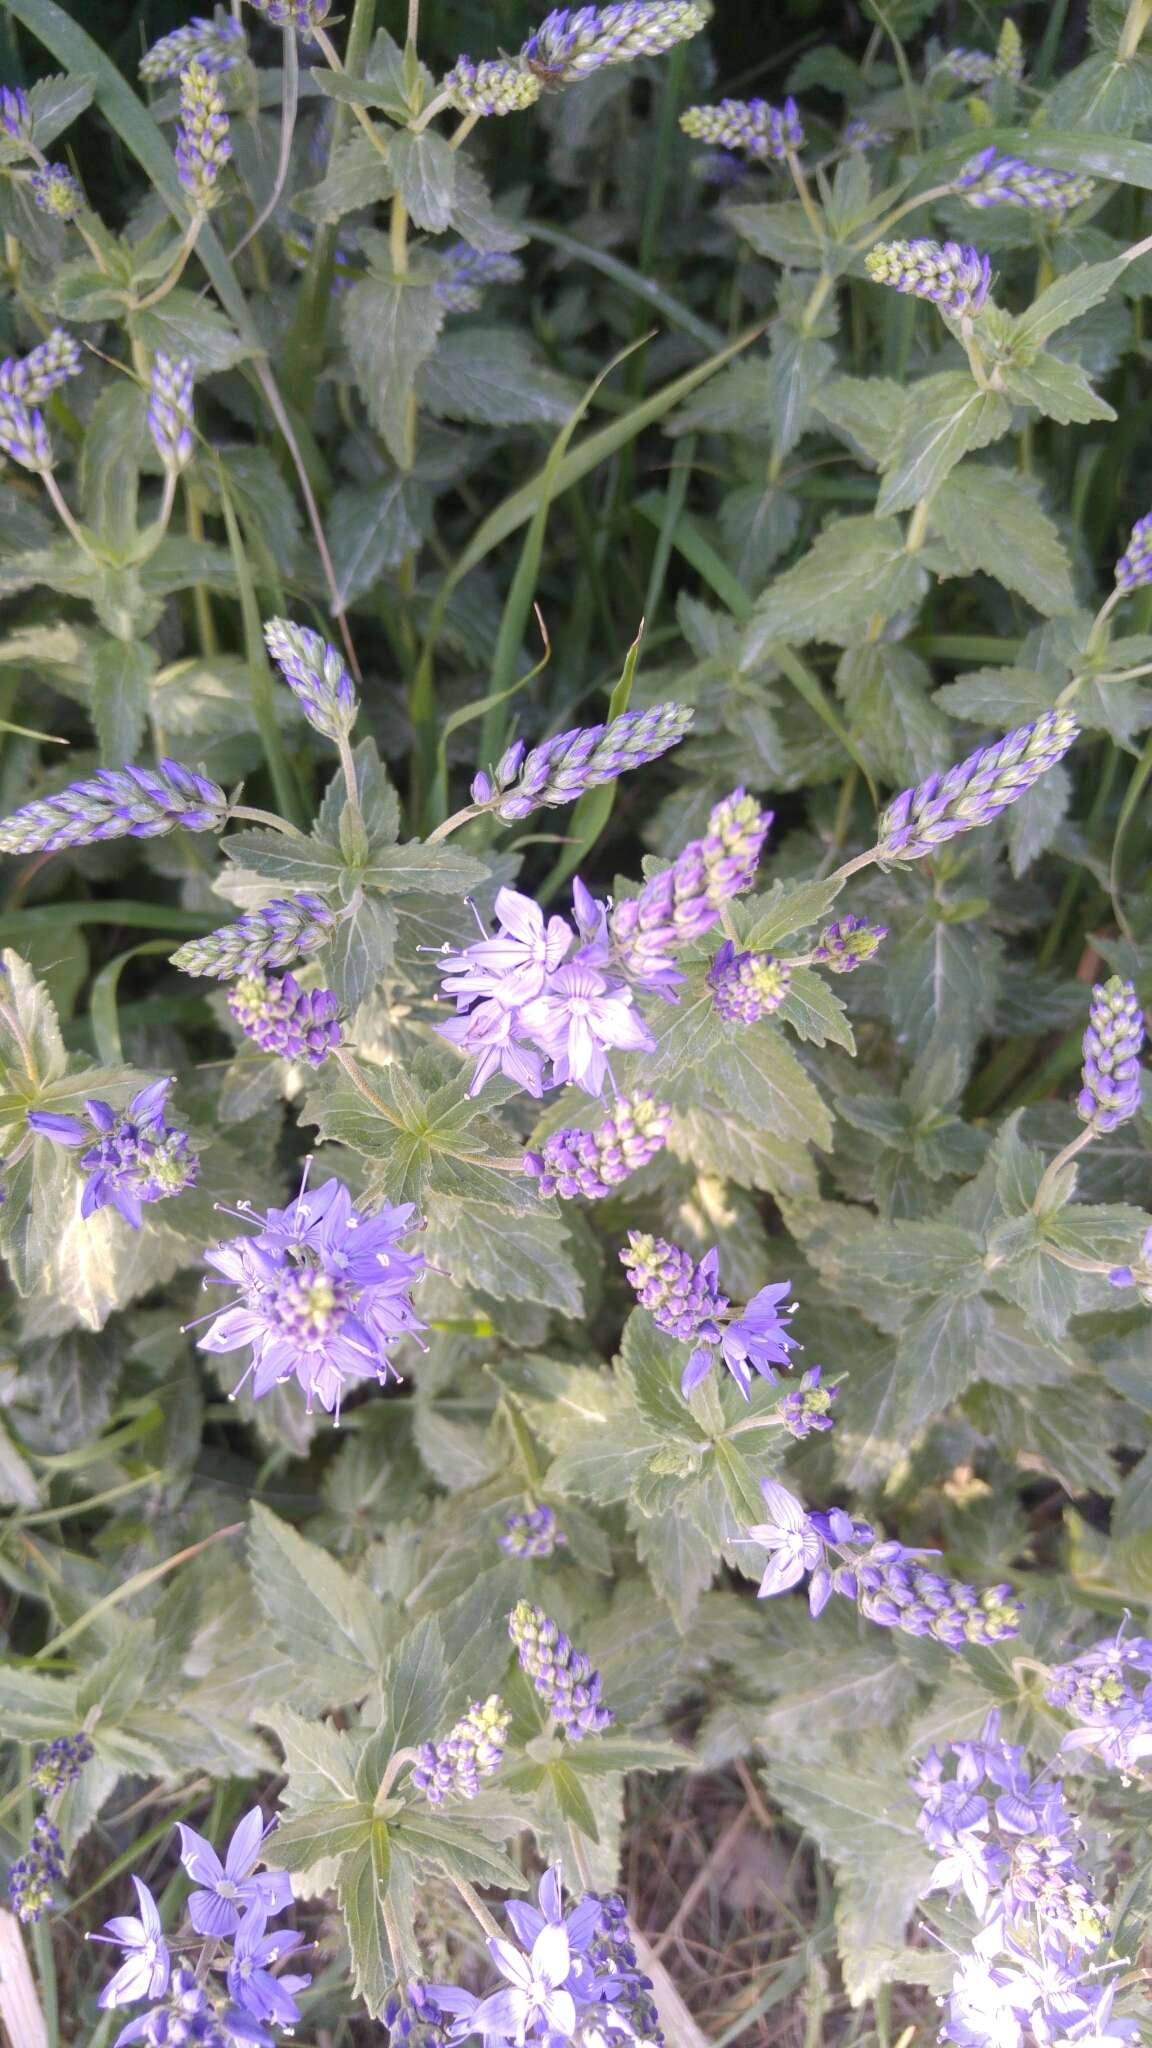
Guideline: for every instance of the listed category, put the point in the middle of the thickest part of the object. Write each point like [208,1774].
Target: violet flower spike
[953,276]
[270,937]
[316,675]
[497,86]
[976,790]
[1134,569]
[1110,1092]
[202,142]
[573,42]
[767,134]
[217,45]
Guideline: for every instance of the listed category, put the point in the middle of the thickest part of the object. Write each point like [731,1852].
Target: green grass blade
[16,925]
[102,1004]
[632,281]
[259,666]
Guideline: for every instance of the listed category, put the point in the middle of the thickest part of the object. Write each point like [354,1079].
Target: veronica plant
[574,1163]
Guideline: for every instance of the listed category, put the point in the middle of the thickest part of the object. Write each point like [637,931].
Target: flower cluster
[747,986]
[216,45]
[1110,1082]
[567,1977]
[846,945]
[15,116]
[570,44]
[970,67]
[683,1298]
[132,1156]
[468,272]
[56,192]
[1008,1841]
[34,1875]
[1134,569]
[302,15]
[24,437]
[203,146]
[292,1022]
[518,1004]
[316,676]
[320,1294]
[1113,1716]
[806,1406]
[170,410]
[51,363]
[270,937]
[989,179]
[685,900]
[472,1750]
[888,1583]
[1139,1275]
[117,803]
[562,1676]
[534,1534]
[593,1163]
[974,791]
[229,1910]
[952,275]
[561,769]
[767,133]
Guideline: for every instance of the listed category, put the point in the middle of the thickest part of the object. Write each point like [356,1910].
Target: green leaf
[55,103]
[944,418]
[358,174]
[857,570]
[513,1258]
[990,519]
[415,1683]
[1000,696]
[1132,1508]
[494,377]
[799,365]
[360,950]
[310,1599]
[885,687]
[1066,300]
[114,446]
[450,1845]
[654,1363]
[372,527]
[361,1893]
[423,169]
[390,327]
[320,1759]
[1057,388]
[182,324]
[122,672]
[783,910]
[330,1831]
[572,1799]
[940,986]
[680,1559]
[866,411]
[783,233]
[418,869]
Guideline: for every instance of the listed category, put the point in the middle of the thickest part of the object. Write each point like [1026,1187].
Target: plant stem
[258,817]
[803,194]
[441,831]
[173,277]
[851,867]
[1056,1166]
[65,514]
[346,1059]
[1138,17]
[288,109]
[876,234]
[477,1908]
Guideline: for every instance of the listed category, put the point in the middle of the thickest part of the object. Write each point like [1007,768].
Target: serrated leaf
[781,232]
[885,688]
[855,571]
[360,951]
[320,1759]
[357,175]
[362,1890]
[866,411]
[572,1799]
[990,519]
[450,1845]
[786,908]
[1066,299]
[415,1682]
[653,1363]
[390,328]
[494,377]
[336,1829]
[122,672]
[371,527]
[1058,388]
[418,869]
[310,1600]
[183,324]
[423,170]
[944,418]
[512,1257]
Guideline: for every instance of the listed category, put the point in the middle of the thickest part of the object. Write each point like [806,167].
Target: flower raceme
[1113,1714]
[216,45]
[472,1750]
[594,1163]
[952,275]
[888,1582]
[533,1534]
[170,410]
[203,146]
[769,134]
[43,370]
[573,42]
[561,769]
[989,179]
[683,1299]
[562,1676]
[1110,1081]
[270,937]
[320,1294]
[316,675]
[976,790]
[284,1019]
[117,803]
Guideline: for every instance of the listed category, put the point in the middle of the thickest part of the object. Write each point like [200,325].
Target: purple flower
[579,1019]
[758,1339]
[535,1534]
[471,1750]
[747,986]
[55,191]
[468,272]
[561,769]
[952,275]
[490,1033]
[681,1295]
[535,1996]
[1134,568]
[284,1019]
[202,143]
[685,900]
[33,1876]
[170,410]
[15,114]
[24,438]
[43,370]
[58,1764]
[1110,1090]
[593,1163]
[976,790]
[316,675]
[848,944]
[322,1294]
[806,1407]
[270,937]
[562,1676]
[138,1156]
[217,45]
[226,1891]
[795,1544]
[117,803]
[766,133]
[989,179]
[529,1921]
[1114,1715]
[572,42]
[514,966]
[146,1968]
[250,1978]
